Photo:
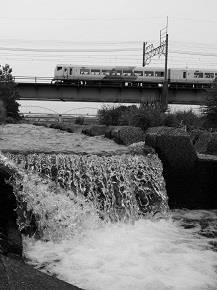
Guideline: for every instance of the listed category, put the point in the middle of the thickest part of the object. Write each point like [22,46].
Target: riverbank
[27,138]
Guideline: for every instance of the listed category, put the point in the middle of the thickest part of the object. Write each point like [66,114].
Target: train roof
[136,67]
[110,67]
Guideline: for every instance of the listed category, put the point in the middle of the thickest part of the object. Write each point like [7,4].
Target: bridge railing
[66,116]
[31,79]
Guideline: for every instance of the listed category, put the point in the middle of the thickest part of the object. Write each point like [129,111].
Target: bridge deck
[178,93]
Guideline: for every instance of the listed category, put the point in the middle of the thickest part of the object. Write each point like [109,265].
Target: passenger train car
[71,73]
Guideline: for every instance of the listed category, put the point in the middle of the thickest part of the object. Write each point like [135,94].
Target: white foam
[140,256]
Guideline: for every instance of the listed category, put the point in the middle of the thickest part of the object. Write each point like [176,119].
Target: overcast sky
[97,25]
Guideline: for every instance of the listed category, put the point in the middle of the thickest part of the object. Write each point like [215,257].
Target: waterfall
[114,188]
[102,222]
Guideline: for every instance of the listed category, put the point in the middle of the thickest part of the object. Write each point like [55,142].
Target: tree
[8,92]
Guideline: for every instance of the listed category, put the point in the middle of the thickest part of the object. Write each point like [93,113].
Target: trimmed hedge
[212,145]
[125,135]
[173,146]
[94,130]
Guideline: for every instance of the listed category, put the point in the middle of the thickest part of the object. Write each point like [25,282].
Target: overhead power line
[193,53]
[67,50]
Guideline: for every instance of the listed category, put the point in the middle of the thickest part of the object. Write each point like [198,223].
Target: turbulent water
[176,253]
[126,241]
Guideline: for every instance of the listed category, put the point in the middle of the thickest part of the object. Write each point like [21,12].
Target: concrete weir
[190,177]
[14,273]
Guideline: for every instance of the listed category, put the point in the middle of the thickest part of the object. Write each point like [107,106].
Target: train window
[149,73]
[216,75]
[95,72]
[159,74]
[138,73]
[209,75]
[116,72]
[84,71]
[59,68]
[106,72]
[70,71]
[127,73]
[184,74]
[198,75]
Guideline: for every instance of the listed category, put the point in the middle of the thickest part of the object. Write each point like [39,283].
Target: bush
[109,115]
[56,126]
[79,120]
[144,118]
[127,135]
[3,112]
[69,130]
[170,120]
[130,116]
[212,145]
[10,120]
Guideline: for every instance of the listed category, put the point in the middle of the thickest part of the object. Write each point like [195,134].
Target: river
[159,250]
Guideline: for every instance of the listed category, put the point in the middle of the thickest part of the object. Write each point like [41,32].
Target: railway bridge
[42,89]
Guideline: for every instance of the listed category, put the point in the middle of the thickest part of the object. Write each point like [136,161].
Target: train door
[184,75]
[65,73]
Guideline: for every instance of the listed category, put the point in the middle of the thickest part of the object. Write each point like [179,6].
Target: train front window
[59,68]
[138,73]
[159,74]
[209,75]
[149,73]
[198,75]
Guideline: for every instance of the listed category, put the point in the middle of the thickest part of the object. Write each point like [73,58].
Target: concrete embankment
[190,177]
[15,275]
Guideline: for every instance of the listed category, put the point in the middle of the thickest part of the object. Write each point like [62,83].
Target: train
[131,74]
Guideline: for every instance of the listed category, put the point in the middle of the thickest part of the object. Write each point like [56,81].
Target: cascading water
[103,223]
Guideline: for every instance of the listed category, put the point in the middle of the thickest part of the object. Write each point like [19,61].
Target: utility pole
[165,84]
[143,54]
[149,51]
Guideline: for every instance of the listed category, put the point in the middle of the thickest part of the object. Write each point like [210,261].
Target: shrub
[170,120]
[128,135]
[3,112]
[183,118]
[212,145]
[141,117]
[144,117]
[69,130]
[109,115]
[79,120]
[56,126]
